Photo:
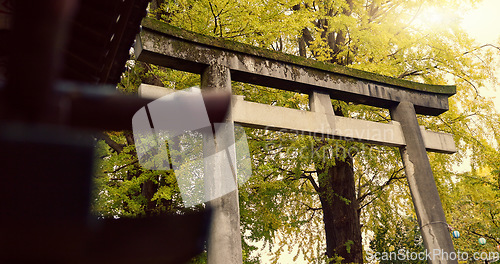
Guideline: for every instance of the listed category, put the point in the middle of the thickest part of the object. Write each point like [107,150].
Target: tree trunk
[337,188]
[148,190]
[340,211]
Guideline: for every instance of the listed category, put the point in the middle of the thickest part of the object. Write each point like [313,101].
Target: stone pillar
[431,217]
[320,103]
[224,242]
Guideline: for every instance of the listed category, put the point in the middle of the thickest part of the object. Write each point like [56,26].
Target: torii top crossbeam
[192,52]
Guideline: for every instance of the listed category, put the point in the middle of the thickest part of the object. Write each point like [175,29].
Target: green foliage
[280,208]
[119,179]
[258,22]
[395,240]
[475,212]
[120,182]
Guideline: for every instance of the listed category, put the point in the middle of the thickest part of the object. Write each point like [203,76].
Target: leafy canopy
[280,209]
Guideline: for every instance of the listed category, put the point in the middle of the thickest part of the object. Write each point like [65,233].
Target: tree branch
[215,17]
[307,36]
[484,235]
[122,167]
[381,187]
[118,148]
[480,47]
[309,208]
[411,73]
[312,181]
[309,177]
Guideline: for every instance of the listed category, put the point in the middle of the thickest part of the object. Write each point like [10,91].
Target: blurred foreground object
[45,133]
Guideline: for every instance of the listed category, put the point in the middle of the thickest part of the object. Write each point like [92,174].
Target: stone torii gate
[218,62]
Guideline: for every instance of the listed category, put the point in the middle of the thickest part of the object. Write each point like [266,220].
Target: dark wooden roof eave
[101,36]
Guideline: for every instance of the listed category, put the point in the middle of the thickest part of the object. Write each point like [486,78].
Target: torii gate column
[224,242]
[431,217]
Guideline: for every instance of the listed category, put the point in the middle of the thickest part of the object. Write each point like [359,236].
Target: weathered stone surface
[165,45]
[425,196]
[224,241]
[321,123]
[167,29]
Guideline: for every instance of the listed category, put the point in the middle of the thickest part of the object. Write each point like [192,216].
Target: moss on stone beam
[219,43]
